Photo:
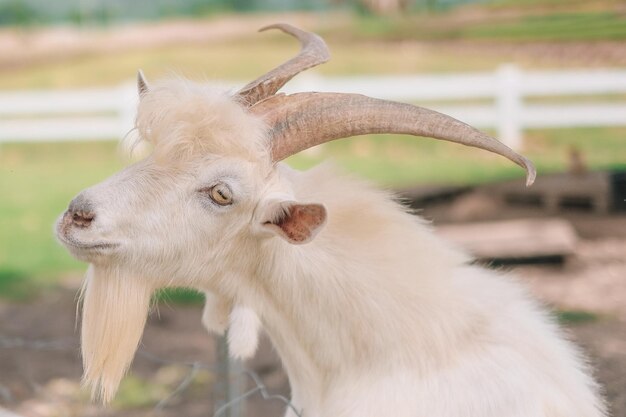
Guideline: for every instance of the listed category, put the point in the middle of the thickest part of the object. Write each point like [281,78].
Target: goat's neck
[347,303]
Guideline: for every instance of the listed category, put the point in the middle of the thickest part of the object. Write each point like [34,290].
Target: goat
[370,312]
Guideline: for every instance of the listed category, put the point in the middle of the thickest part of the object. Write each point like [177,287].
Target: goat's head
[211,191]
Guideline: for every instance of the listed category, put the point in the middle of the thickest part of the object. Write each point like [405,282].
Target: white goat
[374,316]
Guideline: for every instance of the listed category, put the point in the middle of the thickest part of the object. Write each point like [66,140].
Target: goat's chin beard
[114,311]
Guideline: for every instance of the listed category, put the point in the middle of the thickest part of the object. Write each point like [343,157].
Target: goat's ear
[142,84]
[297,223]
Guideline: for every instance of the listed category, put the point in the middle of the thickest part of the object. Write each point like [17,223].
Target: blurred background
[548,77]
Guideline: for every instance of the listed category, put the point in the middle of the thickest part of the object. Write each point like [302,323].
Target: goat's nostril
[80,212]
[82,218]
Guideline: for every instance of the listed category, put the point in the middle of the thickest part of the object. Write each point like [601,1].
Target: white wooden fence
[109,113]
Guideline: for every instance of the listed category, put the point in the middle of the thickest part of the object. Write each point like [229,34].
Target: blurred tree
[17,12]
[244,5]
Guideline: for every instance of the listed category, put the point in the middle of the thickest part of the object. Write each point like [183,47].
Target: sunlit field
[240,59]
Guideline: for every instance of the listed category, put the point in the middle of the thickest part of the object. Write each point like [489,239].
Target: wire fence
[233,387]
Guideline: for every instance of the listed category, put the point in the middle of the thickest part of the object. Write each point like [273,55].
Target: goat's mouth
[88,251]
[83,249]
[87,246]
[73,243]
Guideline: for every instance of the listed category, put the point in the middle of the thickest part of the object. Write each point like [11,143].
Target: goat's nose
[80,212]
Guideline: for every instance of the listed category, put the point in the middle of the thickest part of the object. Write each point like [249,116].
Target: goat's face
[205,196]
[158,220]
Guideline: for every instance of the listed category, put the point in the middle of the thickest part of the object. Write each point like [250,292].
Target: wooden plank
[421,195]
[554,191]
[513,239]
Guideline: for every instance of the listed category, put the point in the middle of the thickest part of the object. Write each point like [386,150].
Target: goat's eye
[221,194]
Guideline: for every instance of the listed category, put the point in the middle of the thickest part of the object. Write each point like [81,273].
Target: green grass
[136,392]
[17,285]
[402,161]
[589,26]
[573,317]
[38,180]
[36,183]
[551,4]
[241,60]
[527,27]
[178,296]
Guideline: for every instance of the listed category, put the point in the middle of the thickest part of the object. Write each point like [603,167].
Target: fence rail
[109,113]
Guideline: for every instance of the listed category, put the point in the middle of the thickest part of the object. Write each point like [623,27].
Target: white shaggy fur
[376,316]
[243,332]
[215,316]
[242,323]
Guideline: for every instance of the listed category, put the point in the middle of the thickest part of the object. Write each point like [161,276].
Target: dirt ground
[40,365]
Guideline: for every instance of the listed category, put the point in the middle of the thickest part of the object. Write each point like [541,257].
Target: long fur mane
[182,119]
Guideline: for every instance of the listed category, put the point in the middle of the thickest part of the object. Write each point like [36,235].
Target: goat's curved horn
[301,121]
[142,84]
[312,53]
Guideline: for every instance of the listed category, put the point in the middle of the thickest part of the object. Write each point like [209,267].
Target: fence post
[509,105]
[230,383]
